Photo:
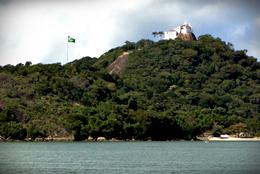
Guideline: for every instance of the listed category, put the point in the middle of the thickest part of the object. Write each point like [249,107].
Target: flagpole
[70,39]
[67,51]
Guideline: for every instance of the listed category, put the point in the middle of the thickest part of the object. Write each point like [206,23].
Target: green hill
[171,89]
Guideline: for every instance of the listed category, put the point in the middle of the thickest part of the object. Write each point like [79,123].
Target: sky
[37,30]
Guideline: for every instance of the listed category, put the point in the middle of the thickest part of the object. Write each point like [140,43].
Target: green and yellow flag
[70,39]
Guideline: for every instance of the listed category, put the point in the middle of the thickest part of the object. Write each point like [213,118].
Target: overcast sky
[37,31]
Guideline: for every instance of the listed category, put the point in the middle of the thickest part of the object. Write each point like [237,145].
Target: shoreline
[103,139]
[205,139]
[212,139]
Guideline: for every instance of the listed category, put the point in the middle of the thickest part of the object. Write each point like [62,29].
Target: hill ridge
[170,89]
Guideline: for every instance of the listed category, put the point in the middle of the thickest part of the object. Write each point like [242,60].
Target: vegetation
[171,89]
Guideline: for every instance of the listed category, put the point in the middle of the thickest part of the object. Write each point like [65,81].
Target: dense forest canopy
[170,89]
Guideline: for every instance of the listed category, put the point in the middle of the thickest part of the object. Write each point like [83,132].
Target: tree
[132,103]
[13,130]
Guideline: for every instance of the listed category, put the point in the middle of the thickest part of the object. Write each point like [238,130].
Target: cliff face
[118,65]
[187,36]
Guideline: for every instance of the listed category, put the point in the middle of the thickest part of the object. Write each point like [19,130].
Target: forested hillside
[171,89]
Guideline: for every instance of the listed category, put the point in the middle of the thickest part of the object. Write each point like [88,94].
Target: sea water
[129,157]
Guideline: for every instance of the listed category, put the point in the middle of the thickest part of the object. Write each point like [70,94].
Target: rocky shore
[100,139]
[58,139]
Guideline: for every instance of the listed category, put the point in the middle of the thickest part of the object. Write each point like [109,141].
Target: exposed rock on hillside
[186,36]
[118,65]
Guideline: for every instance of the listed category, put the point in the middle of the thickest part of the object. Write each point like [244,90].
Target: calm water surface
[129,157]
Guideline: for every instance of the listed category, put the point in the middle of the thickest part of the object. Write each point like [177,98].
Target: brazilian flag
[71,39]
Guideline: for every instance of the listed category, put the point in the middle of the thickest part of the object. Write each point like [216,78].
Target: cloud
[5,2]
[37,30]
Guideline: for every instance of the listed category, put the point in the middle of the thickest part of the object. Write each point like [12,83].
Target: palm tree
[155,33]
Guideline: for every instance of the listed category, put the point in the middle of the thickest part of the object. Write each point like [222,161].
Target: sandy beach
[230,139]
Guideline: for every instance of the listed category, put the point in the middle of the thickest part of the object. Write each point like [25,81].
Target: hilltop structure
[184,32]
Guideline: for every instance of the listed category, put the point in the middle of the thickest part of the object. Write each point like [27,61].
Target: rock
[2,138]
[28,139]
[90,138]
[60,138]
[39,139]
[186,36]
[101,139]
[119,64]
[173,87]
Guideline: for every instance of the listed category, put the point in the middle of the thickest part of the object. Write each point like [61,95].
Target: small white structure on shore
[186,28]
[225,136]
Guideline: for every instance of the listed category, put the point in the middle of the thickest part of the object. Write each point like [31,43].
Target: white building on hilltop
[181,29]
